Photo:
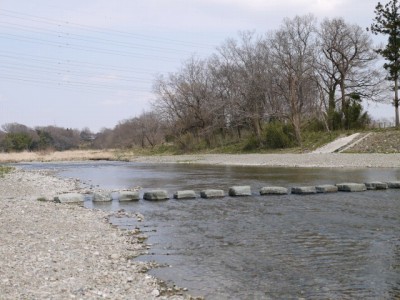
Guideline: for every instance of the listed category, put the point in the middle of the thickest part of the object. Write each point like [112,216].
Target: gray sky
[92,63]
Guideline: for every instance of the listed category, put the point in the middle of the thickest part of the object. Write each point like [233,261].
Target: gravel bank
[322,160]
[60,251]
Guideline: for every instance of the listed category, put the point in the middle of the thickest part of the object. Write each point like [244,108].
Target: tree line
[266,89]
[263,89]
[302,73]
[19,137]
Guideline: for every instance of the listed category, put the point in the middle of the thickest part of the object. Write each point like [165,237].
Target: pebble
[69,252]
[155,293]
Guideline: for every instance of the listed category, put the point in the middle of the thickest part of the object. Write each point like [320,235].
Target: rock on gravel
[62,251]
[69,198]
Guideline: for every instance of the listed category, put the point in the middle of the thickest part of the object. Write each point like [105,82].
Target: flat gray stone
[212,194]
[186,194]
[273,190]
[236,191]
[304,190]
[376,185]
[97,197]
[69,198]
[128,196]
[326,188]
[393,184]
[351,187]
[156,195]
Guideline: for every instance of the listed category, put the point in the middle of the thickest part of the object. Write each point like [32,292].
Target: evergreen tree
[387,22]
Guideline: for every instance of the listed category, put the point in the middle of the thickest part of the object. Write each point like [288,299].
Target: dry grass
[73,155]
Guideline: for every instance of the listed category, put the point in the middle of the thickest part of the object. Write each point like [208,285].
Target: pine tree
[387,22]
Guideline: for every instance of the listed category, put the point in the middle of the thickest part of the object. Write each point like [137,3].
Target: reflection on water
[338,246]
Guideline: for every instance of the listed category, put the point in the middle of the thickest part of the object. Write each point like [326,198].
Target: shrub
[19,141]
[4,170]
[278,136]
[252,143]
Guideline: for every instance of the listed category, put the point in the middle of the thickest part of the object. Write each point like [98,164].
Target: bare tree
[293,50]
[347,63]
[186,99]
[104,139]
[243,75]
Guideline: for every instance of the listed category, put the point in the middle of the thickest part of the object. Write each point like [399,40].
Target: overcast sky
[92,63]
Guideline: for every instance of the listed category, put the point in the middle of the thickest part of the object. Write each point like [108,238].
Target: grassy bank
[378,141]
[73,155]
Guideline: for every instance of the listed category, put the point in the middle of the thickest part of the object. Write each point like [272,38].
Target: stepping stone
[326,188]
[274,190]
[69,198]
[393,184]
[376,185]
[212,194]
[304,190]
[351,187]
[97,197]
[236,191]
[156,195]
[128,196]
[187,194]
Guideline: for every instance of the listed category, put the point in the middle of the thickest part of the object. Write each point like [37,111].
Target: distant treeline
[263,91]
[18,137]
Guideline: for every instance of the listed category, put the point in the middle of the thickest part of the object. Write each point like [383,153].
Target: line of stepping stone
[234,191]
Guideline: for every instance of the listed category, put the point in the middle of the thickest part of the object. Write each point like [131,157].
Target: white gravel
[320,160]
[61,251]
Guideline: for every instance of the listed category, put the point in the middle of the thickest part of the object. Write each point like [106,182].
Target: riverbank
[60,251]
[323,160]
[68,155]
[306,160]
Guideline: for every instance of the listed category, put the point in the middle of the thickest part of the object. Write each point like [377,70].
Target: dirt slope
[379,142]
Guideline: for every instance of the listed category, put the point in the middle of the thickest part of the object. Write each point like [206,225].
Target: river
[330,246]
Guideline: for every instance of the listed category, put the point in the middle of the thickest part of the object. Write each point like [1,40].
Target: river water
[331,246]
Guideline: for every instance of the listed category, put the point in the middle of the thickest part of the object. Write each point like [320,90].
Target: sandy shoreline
[61,251]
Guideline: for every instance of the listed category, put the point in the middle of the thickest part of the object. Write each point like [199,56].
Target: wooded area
[265,90]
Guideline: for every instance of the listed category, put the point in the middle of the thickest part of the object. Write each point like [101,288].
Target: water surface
[338,246]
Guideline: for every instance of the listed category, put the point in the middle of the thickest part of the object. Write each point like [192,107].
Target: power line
[97,40]
[68,62]
[98,89]
[85,83]
[54,71]
[60,23]
[59,71]
[81,48]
